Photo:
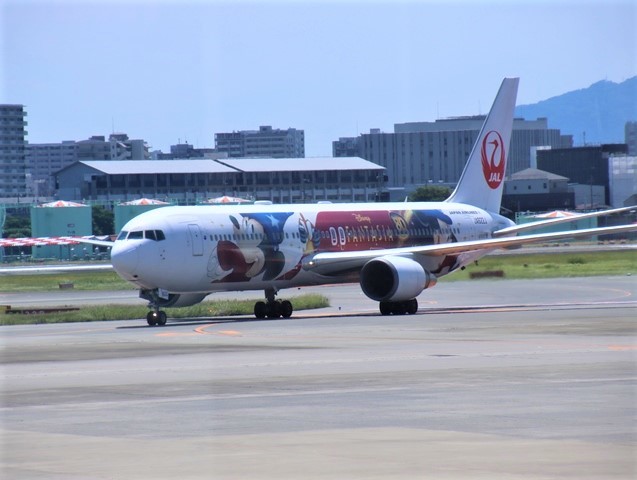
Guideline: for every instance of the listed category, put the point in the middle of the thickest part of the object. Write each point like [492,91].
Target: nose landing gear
[156,317]
[272,308]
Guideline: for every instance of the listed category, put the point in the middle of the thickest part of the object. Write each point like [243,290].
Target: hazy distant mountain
[600,110]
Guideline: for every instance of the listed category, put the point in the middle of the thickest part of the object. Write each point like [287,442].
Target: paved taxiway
[538,381]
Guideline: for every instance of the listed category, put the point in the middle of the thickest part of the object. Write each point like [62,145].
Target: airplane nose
[124,260]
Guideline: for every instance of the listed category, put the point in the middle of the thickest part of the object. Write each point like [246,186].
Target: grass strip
[514,266]
[104,280]
[554,265]
[98,313]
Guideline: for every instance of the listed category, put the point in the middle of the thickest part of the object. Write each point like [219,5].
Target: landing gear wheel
[274,309]
[156,318]
[260,310]
[412,306]
[161,321]
[152,318]
[399,308]
[385,308]
[286,308]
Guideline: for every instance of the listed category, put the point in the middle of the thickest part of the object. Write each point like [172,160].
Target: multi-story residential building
[186,150]
[436,152]
[630,137]
[265,142]
[117,147]
[12,151]
[44,159]
[346,147]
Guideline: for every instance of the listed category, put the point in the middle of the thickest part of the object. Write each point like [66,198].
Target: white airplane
[177,256]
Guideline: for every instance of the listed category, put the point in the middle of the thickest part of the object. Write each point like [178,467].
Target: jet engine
[173,300]
[394,279]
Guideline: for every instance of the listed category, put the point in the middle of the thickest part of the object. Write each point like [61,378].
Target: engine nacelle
[394,279]
[173,300]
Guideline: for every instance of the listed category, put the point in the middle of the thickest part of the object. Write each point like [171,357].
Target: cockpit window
[156,235]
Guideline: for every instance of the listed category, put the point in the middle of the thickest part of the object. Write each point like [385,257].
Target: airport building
[283,180]
[420,153]
[589,166]
[13,167]
[61,219]
[623,180]
[537,191]
[123,212]
[265,142]
[582,177]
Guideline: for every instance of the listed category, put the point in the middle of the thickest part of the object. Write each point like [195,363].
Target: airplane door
[196,239]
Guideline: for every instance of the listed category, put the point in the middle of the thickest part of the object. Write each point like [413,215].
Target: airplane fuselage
[204,249]
[178,255]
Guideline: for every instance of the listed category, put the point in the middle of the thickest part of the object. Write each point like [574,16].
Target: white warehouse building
[280,180]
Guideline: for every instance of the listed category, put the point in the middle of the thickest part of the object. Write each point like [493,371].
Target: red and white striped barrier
[40,241]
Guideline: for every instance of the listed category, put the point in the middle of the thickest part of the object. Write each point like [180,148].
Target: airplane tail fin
[482,179]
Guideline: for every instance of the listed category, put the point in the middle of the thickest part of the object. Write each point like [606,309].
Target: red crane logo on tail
[493,159]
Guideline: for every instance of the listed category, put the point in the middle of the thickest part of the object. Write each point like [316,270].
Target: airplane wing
[94,241]
[509,231]
[335,263]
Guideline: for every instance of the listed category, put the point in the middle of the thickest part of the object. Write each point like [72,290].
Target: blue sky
[167,71]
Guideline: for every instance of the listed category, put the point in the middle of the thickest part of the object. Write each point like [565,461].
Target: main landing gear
[156,317]
[399,308]
[272,308]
